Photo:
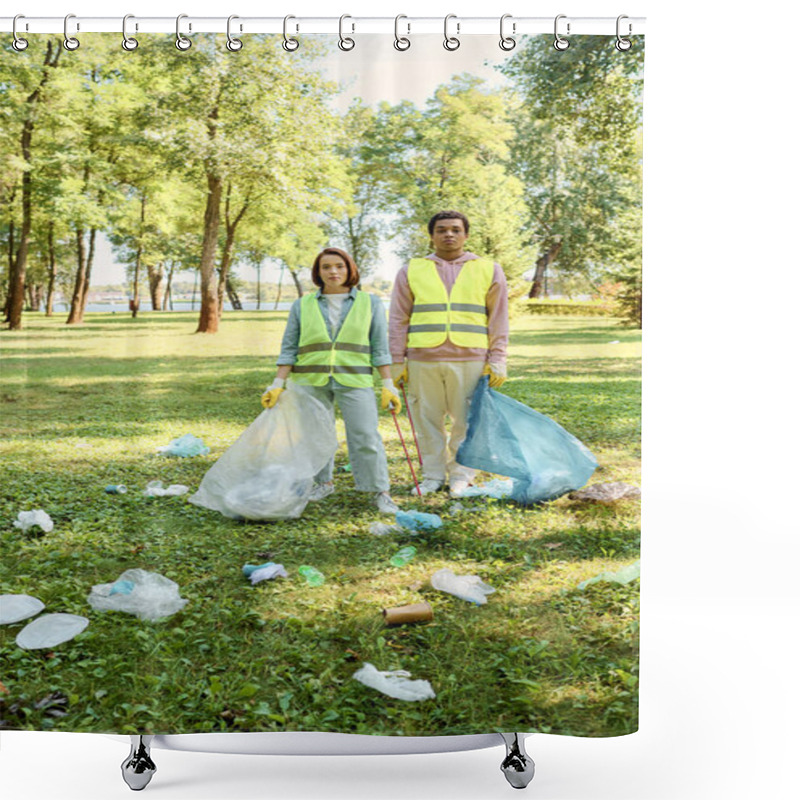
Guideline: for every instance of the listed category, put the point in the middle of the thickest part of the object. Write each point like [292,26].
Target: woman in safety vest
[333,339]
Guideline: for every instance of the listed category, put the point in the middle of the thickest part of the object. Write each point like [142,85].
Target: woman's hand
[271,396]
[390,397]
[496,373]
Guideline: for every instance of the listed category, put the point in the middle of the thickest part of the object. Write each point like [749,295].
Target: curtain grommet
[451,43]
[289,43]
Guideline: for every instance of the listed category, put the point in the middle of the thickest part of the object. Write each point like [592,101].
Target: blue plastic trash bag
[507,438]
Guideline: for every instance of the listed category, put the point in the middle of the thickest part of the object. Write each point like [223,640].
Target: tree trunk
[87,277]
[209,298]
[296,280]
[51,270]
[19,267]
[280,287]
[75,316]
[155,279]
[168,290]
[227,252]
[537,286]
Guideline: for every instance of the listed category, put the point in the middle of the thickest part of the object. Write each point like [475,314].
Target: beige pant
[437,389]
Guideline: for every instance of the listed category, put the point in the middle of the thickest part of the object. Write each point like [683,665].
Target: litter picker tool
[411,421]
[405,450]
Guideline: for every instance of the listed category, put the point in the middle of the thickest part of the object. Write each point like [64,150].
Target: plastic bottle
[116,488]
[403,556]
[312,575]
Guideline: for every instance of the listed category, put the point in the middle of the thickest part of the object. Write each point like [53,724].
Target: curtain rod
[408,25]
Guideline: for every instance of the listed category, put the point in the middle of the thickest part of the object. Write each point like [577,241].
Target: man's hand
[399,373]
[496,373]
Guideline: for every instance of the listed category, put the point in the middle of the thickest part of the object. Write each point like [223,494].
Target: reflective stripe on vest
[462,317]
[347,358]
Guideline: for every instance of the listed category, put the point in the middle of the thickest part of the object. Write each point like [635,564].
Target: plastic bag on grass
[148,595]
[268,472]
[29,519]
[465,587]
[508,438]
[186,446]
[626,574]
[16,607]
[394,684]
[156,489]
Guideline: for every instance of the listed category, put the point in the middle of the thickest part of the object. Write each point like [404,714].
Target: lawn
[88,406]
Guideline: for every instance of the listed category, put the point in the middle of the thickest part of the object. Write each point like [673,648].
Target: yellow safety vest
[462,316]
[347,358]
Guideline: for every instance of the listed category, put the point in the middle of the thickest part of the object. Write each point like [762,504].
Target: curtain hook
[401,42]
[181,42]
[70,42]
[128,42]
[290,44]
[451,42]
[345,42]
[19,44]
[622,44]
[233,44]
[560,44]
[507,42]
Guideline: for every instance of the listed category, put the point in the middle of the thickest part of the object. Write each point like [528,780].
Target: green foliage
[85,407]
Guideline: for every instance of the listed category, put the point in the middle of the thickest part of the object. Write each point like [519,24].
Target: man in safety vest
[449,319]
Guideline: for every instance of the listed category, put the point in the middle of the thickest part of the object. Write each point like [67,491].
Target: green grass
[85,407]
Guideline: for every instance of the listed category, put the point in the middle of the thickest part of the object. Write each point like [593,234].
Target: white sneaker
[428,486]
[320,491]
[457,488]
[385,503]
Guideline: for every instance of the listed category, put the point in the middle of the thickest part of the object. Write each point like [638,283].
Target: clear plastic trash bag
[30,519]
[508,438]
[185,446]
[268,472]
[465,587]
[148,595]
[626,574]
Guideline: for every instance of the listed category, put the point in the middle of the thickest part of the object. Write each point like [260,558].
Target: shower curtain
[162,209]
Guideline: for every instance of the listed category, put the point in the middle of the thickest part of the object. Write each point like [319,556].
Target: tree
[454,154]
[26,92]
[577,148]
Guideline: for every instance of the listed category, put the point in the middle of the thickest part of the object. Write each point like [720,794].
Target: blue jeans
[364,444]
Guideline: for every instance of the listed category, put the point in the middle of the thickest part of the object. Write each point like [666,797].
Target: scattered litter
[118,488]
[456,508]
[268,472]
[403,556]
[122,587]
[344,468]
[417,612]
[394,684]
[466,587]
[382,529]
[625,574]
[498,488]
[16,607]
[606,493]
[156,489]
[418,521]
[312,575]
[507,438]
[616,341]
[186,446]
[264,572]
[28,519]
[50,630]
[152,597]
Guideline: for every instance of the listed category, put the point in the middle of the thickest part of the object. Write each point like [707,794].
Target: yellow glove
[399,373]
[390,398]
[496,377]
[270,397]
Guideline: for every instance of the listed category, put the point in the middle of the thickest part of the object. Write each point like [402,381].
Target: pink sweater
[496,303]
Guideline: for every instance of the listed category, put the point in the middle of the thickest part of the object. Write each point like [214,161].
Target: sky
[373,71]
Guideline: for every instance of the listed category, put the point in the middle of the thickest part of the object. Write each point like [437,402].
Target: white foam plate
[16,607]
[50,630]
